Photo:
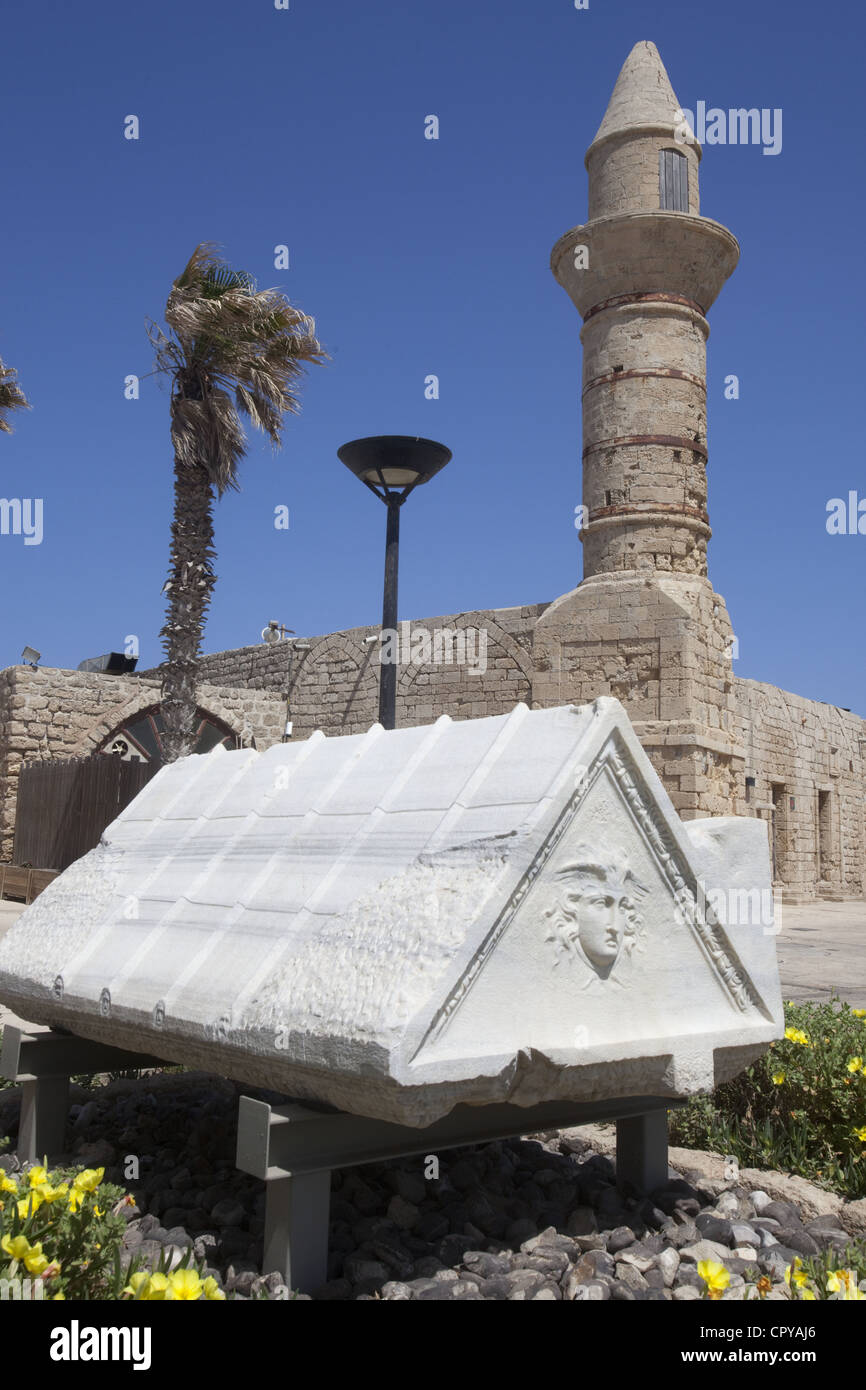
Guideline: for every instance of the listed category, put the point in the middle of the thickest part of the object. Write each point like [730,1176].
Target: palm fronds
[11,396]
[232,351]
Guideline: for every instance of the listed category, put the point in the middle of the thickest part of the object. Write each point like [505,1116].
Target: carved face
[595,912]
[600,925]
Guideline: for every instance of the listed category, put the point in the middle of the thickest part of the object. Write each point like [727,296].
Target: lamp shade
[394,460]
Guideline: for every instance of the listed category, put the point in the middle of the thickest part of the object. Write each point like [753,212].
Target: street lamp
[392,466]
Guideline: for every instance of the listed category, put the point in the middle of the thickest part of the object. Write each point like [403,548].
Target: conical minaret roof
[643,97]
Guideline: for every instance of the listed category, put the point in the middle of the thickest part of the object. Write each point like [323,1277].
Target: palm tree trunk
[191,580]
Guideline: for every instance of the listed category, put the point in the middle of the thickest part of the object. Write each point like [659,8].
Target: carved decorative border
[666,851]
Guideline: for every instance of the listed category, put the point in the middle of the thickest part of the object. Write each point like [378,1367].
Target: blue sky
[306,128]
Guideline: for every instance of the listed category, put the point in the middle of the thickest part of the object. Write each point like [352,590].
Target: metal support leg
[642,1151]
[293,1149]
[296,1229]
[41,1063]
[44,1108]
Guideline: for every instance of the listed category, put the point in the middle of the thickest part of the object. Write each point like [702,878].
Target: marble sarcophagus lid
[494,910]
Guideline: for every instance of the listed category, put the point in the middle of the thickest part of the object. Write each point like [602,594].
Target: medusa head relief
[595,919]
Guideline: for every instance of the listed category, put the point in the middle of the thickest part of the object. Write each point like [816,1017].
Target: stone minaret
[645,624]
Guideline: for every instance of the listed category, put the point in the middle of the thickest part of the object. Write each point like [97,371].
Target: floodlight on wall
[110,664]
[30,656]
[276,632]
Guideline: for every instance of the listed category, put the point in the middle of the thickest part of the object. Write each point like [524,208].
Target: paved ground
[822,951]
[9,912]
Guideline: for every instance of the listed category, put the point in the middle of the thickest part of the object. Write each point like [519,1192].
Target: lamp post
[392,466]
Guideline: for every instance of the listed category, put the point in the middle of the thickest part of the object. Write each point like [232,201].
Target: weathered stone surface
[705,1250]
[668,1263]
[852,1216]
[619,1238]
[501,909]
[741,1234]
[766,1185]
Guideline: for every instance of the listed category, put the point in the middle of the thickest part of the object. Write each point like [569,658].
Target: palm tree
[11,396]
[233,350]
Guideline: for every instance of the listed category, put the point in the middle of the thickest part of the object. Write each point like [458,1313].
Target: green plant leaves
[799,1108]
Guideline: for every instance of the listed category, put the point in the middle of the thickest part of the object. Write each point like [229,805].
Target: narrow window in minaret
[673,181]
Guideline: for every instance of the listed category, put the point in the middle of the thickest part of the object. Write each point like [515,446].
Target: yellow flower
[89,1179]
[47,1193]
[157,1289]
[75,1197]
[837,1279]
[38,1176]
[795,1273]
[778,1078]
[798,1036]
[7,1184]
[137,1281]
[860,1133]
[844,1281]
[211,1289]
[807,1295]
[29,1205]
[856,1064]
[764,1286]
[58,1296]
[715,1276]
[18,1247]
[31,1256]
[184,1284]
[859,1013]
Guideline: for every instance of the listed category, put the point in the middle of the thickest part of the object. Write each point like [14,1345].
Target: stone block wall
[794,749]
[814,755]
[791,746]
[332,681]
[49,713]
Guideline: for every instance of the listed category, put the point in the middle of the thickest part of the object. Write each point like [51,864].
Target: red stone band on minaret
[633,509]
[647,297]
[669,372]
[667,441]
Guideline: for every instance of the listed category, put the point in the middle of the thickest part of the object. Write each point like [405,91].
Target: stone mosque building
[645,623]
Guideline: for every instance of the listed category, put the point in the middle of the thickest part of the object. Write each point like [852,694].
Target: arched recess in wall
[336,687]
[515,688]
[134,733]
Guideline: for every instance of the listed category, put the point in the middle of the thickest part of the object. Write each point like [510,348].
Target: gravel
[535,1219]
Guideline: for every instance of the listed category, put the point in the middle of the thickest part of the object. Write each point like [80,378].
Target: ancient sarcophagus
[493,910]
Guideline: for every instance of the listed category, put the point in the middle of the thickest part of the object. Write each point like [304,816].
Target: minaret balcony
[659,255]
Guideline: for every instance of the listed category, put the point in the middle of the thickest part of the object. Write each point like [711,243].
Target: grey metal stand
[42,1064]
[642,1151]
[294,1148]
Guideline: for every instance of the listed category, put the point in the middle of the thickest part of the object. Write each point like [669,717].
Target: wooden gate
[65,804]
